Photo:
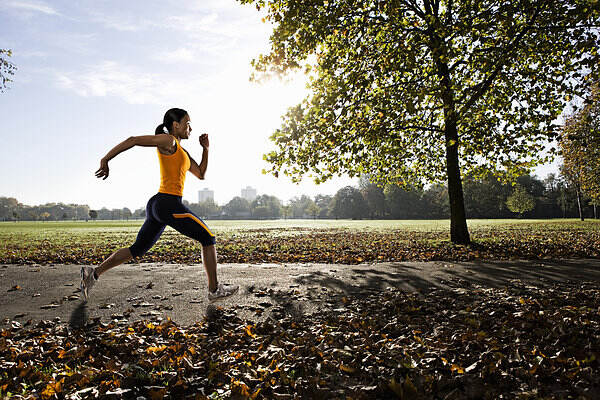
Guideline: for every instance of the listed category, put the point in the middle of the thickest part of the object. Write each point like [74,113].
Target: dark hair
[174,114]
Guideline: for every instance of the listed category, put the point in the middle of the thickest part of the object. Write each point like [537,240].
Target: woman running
[165,207]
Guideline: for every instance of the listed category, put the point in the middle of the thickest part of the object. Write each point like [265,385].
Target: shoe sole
[223,297]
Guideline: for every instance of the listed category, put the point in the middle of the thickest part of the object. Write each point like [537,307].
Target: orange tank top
[172,171]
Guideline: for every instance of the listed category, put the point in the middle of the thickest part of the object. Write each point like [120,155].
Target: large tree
[572,176]
[580,150]
[93,214]
[411,91]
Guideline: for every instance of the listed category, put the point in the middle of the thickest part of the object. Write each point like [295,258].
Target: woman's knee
[126,253]
[137,250]
[207,241]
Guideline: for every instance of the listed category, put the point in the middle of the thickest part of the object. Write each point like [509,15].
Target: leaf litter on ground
[466,342]
[322,245]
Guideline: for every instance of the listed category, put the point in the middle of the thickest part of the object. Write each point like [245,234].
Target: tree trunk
[579,204]
[595,215]
[459,232]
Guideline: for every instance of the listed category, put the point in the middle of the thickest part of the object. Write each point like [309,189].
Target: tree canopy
[238,206]
[580,147]
[520,201]
[266,206]
[7,69]
[418,91]
[348,203]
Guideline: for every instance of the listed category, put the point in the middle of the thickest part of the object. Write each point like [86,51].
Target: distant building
[249,193]
[205,195]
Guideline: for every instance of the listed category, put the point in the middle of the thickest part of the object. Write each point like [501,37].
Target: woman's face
[184,127]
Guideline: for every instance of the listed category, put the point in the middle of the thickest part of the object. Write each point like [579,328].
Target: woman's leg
[89,274]
[209,259]
[193,227]
[186,222]
[117,258]
[146,237]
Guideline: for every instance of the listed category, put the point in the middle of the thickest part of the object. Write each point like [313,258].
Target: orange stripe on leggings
[192,216]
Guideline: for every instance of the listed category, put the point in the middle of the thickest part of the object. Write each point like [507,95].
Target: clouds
[110,78]
[201,21]
[180,55]
[180,33]
[122,23]
[161,54]
[30,7]
[193,23]
[147,54]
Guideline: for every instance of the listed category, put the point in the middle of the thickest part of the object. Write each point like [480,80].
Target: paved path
[157,291]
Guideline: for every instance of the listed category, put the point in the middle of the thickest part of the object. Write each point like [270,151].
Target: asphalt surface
[31,293]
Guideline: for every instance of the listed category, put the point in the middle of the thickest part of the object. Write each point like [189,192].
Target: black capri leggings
[167,209]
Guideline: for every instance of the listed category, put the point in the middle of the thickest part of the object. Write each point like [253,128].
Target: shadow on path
[79,316]
[494,274]
[272,290]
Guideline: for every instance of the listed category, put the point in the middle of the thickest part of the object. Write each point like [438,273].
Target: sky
[93,72]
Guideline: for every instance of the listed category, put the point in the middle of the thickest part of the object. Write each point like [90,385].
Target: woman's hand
[204,140]
[103,170]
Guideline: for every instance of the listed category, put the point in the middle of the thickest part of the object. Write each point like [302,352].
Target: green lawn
[229,225]
[345,241]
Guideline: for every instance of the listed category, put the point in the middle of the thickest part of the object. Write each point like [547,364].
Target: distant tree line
[528,197]
[12,210]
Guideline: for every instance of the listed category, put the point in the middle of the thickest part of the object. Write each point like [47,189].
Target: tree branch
[415,8]
[502,59]
[449,13]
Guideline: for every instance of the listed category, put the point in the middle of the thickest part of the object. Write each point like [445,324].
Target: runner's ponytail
[173,115]
[160,129]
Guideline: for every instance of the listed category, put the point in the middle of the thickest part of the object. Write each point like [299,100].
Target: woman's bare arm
[200,170]
[160,141]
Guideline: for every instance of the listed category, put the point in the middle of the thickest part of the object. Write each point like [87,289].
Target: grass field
[343,241]
[227,225]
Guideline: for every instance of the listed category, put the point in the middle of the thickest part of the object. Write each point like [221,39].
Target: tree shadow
[288,305]
[367,281]
[452,275]
[542,273]
[275,302]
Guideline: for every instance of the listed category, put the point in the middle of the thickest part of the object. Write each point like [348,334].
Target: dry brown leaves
[318,245]
[472,342]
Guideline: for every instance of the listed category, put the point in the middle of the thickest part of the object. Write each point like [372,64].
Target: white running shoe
[223,291]
[87,281]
